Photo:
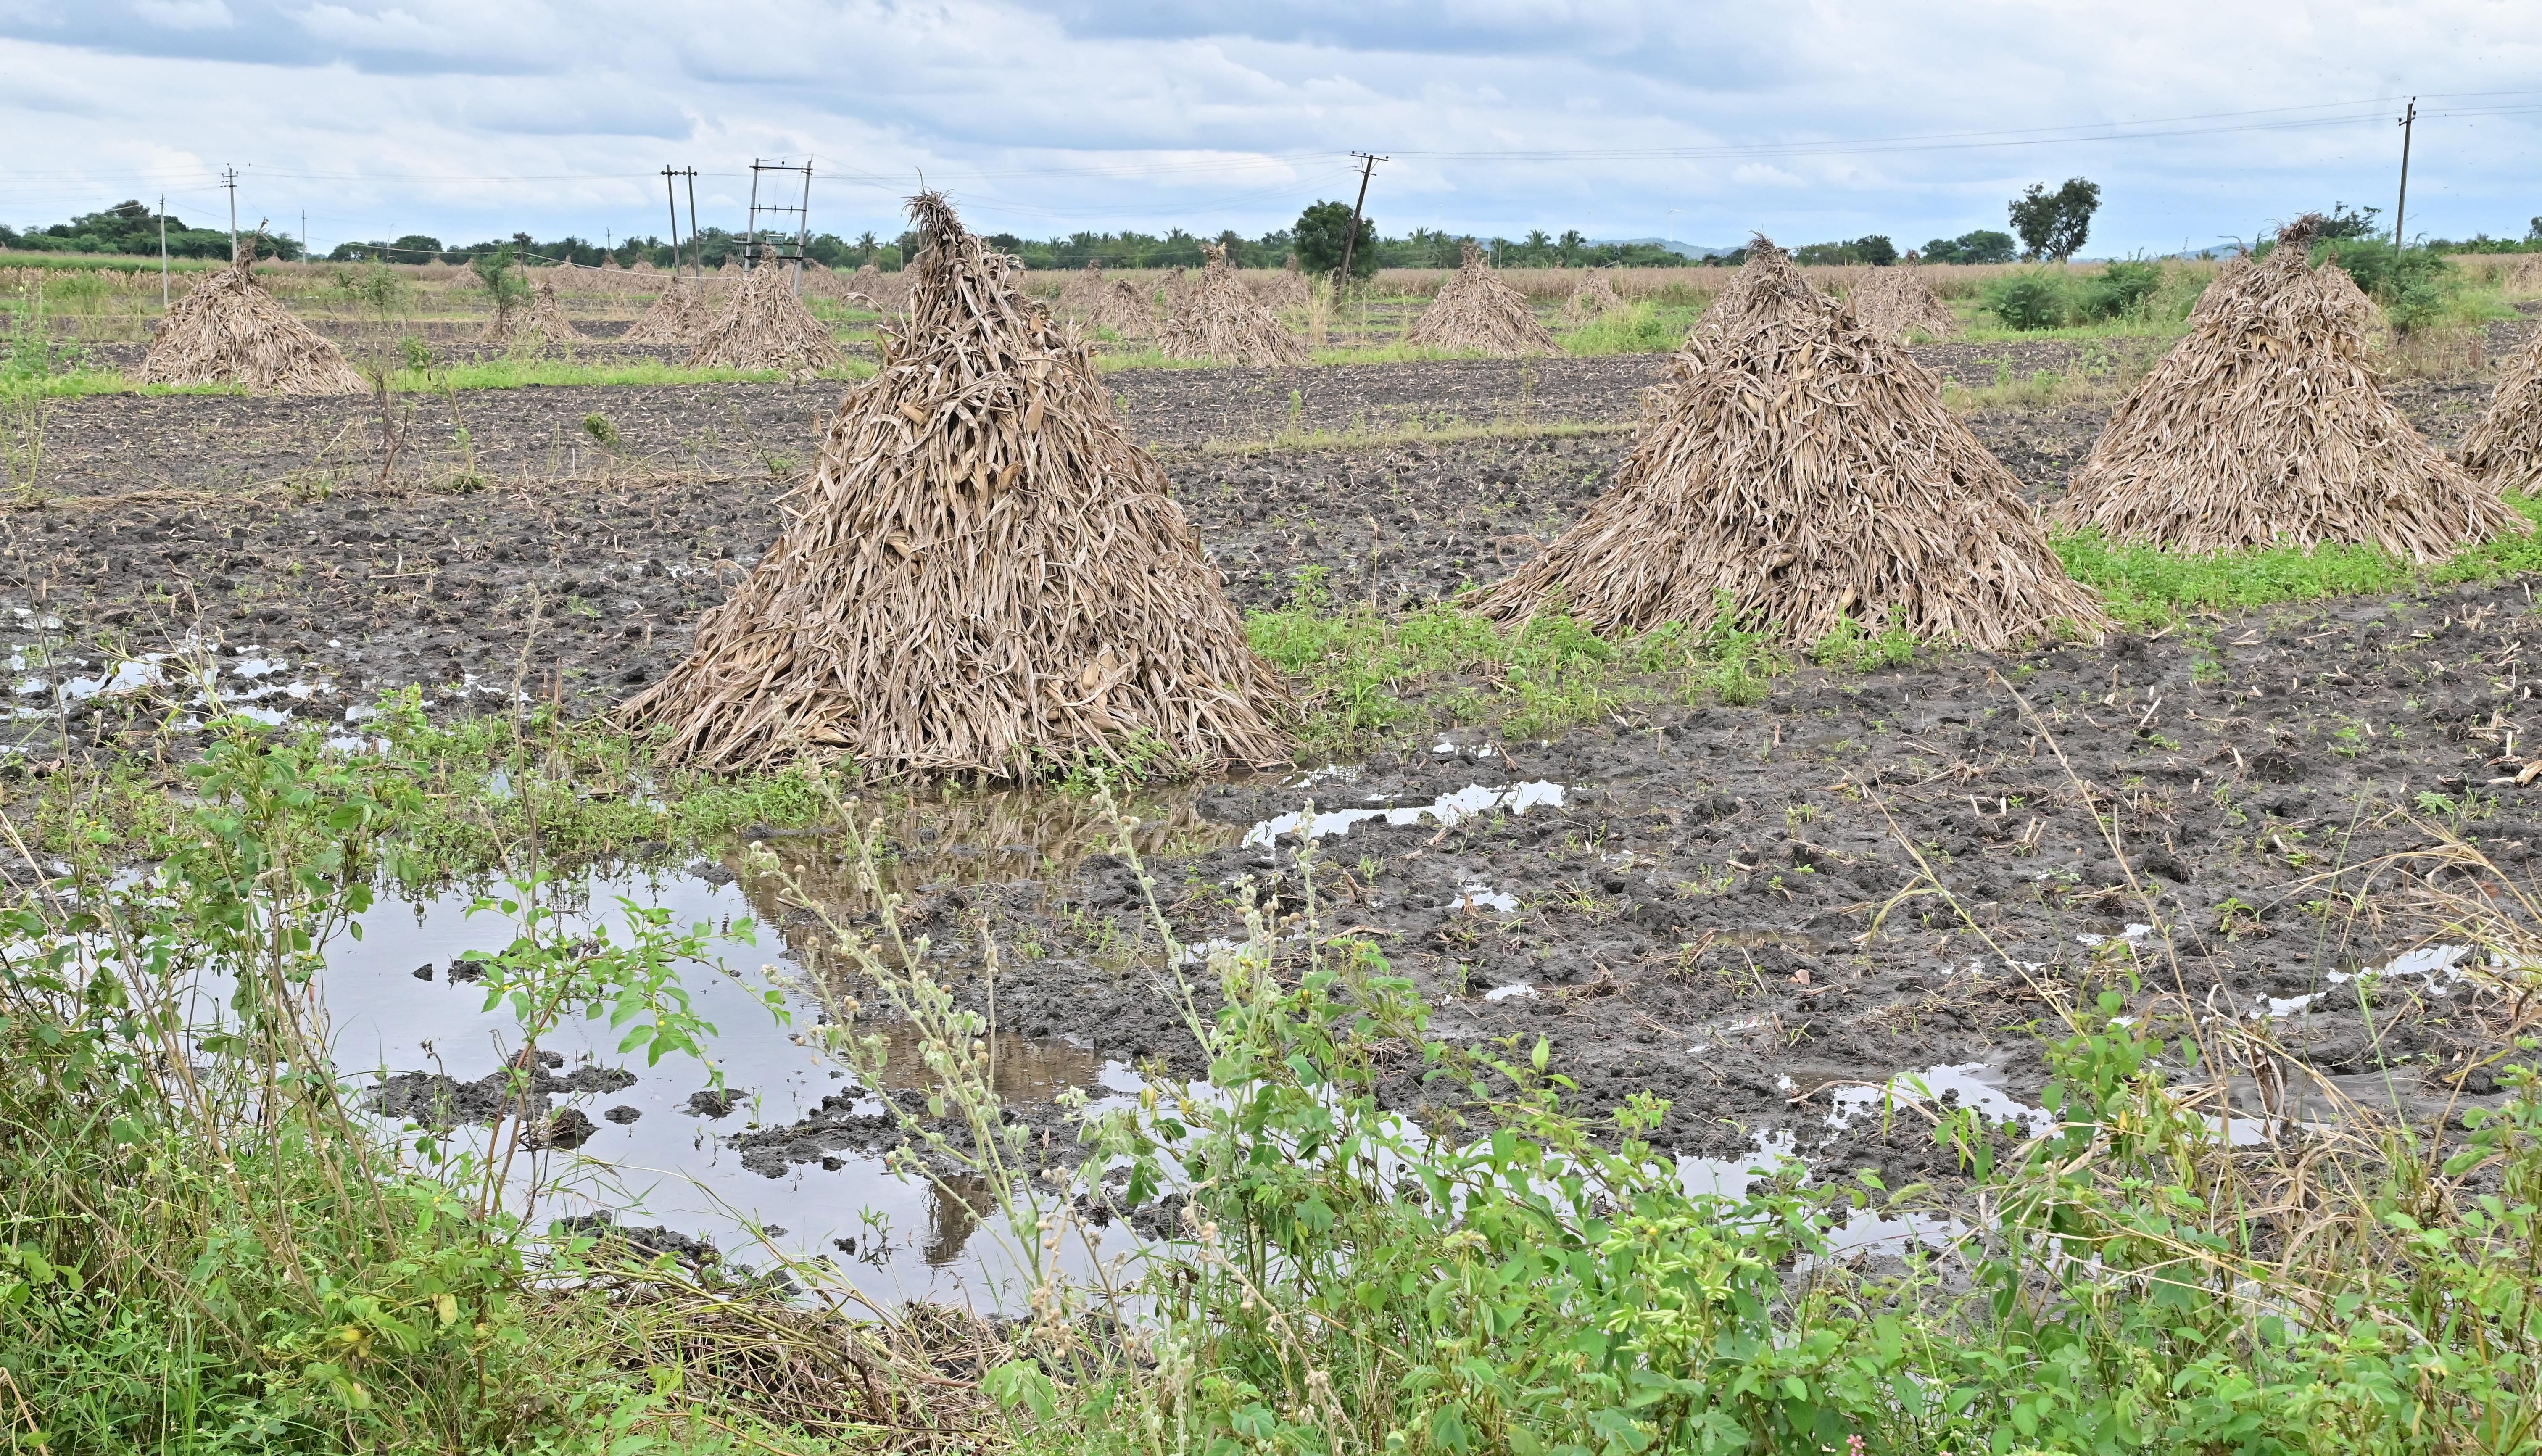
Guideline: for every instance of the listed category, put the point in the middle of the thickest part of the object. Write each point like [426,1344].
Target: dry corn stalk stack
[1896,302]
[1286,291]
[889,292]
[984,575]
[764,326]
[228,329]
[1798,469]
[1218,319]
[1082,296]
[2504,449]
[2265,425]
[540,321]
[1592,297]
[1479,312]
[2526,276]
[675,317]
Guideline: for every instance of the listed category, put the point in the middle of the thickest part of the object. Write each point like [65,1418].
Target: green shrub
[2031,299]
[2123,290]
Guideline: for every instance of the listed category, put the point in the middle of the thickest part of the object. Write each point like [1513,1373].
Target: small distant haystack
[676,316]
[984,575]
[764,326]
[1592,299]
[1480,314]
[1896,303]
[1218,319]
[228,329]
[1286,291]
[888,292]
[2526,275]
[1799,470]
[2265,425]
[1082,296]
[2503,451]
[540,321]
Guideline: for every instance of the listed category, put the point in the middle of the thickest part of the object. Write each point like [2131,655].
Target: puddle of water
[2443,966]
[1517,992]
[651,1158]
[1477,895]
[1966,1084]
[1447,810]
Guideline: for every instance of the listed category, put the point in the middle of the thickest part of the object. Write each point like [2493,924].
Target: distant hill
[1682,250]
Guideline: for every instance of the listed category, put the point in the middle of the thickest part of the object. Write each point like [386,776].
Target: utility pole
[229,181]
[1367,165]
[304,235]
[756,251]
[697,247]
[2402,211]
[163,252]
[672,197]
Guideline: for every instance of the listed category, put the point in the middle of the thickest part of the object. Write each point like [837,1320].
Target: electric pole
[1367,165]
[671,195]
[229,181]
[2402,211]
[696,246]
[304,236]
[163,252]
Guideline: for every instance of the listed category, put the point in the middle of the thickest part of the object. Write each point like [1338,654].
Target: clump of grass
[2148,588]
[1639,328]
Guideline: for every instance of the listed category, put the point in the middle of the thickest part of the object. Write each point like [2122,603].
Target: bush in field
[2122,290]
[2033,298]
[1323,231]
[2413,285]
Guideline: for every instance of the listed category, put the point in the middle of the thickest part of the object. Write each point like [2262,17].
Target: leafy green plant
[2030,300]
[2124,290]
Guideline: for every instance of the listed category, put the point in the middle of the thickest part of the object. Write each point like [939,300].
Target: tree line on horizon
[2052,225]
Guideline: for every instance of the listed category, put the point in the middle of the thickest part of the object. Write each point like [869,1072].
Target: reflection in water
[955,1205]
[1020,1068]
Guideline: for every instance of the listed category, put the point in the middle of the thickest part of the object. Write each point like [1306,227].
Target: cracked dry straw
[1218,319]
[2266,427]
[675,317]
[1592,297]
[1114,304]
[228,329]
[984,573]
[540,321]
[765,327]
[1477,313]
[2503,451]
[1798,470]
[1286,291]
[1896,302]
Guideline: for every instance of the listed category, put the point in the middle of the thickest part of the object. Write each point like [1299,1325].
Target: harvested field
[1701,857]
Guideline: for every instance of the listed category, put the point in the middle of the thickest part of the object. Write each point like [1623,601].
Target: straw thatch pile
[983,574]
[228,329]
[1286,291]
[2526,275]
[1592,297]
[764,326]
[2503,451]
[2265,425]
[677,315]
[1082,296]
[540,321]
[1477,312]
[1798,470]
[1218,319]
[1896,302]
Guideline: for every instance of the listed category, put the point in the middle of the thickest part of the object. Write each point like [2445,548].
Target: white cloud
[1625,118]
[184,15]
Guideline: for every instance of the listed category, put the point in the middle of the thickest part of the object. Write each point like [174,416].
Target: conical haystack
[540,321]
[1896,302]
[1285,291]
[227,330]
[983,574]
[1800,470]
[886,292]
[2265,425]
[764,326]
[1082,296]
[675,317]
[2526,276]
[1592,297]
[1477,312]
[1218,319]
[2503,451]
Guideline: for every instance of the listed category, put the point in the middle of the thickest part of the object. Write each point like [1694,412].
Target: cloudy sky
[1701,122]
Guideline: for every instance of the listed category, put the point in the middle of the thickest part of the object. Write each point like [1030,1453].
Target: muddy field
[1682,899]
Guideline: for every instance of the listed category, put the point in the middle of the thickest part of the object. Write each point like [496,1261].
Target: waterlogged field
[1586,1044]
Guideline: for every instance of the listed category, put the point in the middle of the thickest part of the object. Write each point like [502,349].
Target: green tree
[1324,233]
[2054,225]
[500,272]
[1876,250]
